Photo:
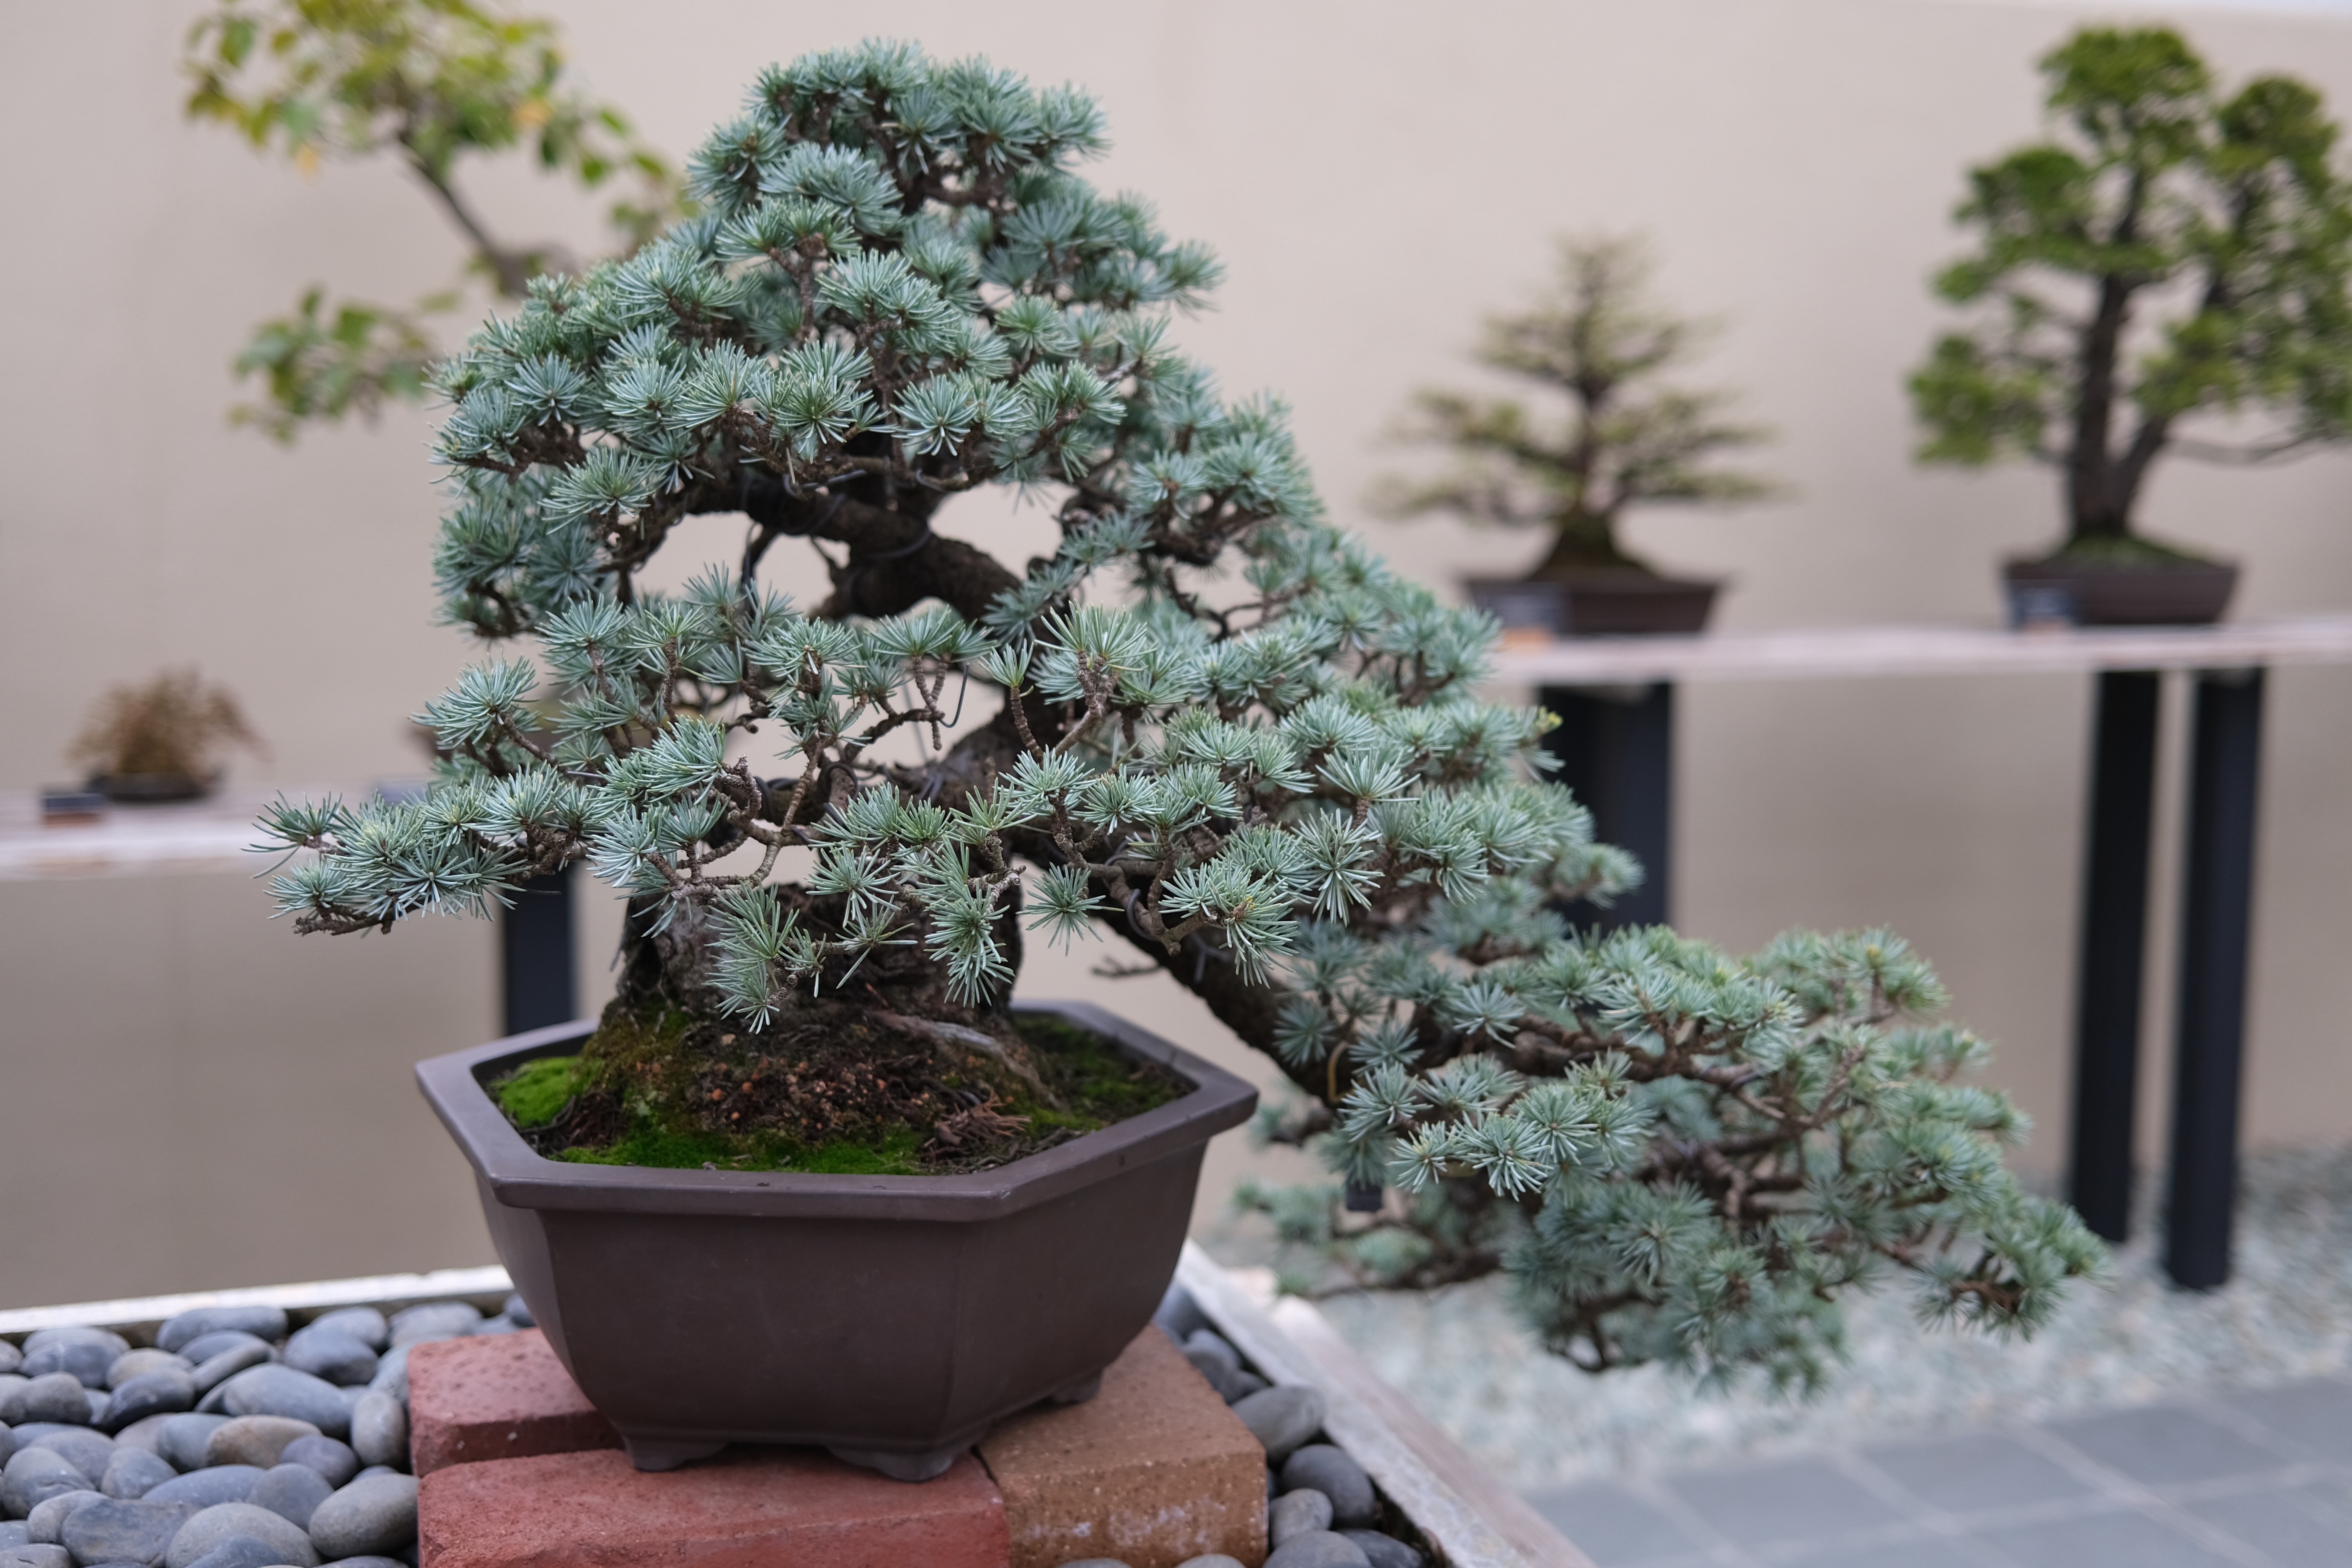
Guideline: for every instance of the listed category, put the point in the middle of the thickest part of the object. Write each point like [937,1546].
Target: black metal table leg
[2216,921]
[1616,749]
[2114,939]
[535,948]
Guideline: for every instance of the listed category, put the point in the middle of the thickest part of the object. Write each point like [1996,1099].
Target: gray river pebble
[331,1354]
[1330,1471]
[282,1390]
[214,1371]
[238,1552]
[137,1363]
[133,1473]
[392,1373]
[59,1396]
[375,1514]
[515,1311]
[1180,1317]
[254,1440]
[112,1530]
[147,1434]
[204,1347]
[216,1524]
[150,1394]
[332,1459]
[367,1561]
[1212,1560]
[96,1407]
[10,1356]
[293,1492]
[364,1324]
[13,1533]
[433,1320]
[46,1522]
[1282,1418]
[35,1557]
[80,1447]
[32,1477]
[1386,1551]
[379,1430]
[1296,1513]
[183,1439]
[86,1360]
[208,1487]
[11,1384]
[1319,1549]
[261,1323]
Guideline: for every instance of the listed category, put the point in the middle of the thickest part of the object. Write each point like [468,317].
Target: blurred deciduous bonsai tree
[1222,733]
[2170,253]
[1615,437]
[161,738]
[429,82]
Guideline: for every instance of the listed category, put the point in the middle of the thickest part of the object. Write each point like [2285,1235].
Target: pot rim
[519,1178]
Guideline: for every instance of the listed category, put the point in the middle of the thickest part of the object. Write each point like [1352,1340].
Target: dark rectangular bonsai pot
[891,1319]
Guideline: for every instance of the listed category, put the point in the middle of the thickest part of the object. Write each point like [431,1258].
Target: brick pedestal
[1152,1471]
[750,1508]
[497,1396]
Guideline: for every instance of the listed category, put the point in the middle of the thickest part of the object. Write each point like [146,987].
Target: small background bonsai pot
[1596,605]
[893,1319]
[153,789]
[2182,591]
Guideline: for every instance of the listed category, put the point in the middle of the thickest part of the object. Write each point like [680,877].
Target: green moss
[535,1093]
[664,1148]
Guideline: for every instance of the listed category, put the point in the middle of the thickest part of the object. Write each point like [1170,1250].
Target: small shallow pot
[893,1319]
[1604,604]
[150,789]
[2070,592]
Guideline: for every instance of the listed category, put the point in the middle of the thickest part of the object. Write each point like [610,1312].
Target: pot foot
[1078,1393]
[899,1466]
[666,1453]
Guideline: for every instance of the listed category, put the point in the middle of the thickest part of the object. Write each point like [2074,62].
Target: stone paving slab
[2246,1479]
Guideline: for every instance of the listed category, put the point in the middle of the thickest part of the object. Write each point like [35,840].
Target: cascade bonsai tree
[1210,726]
[2170,253]
[430,82]
[1620,438]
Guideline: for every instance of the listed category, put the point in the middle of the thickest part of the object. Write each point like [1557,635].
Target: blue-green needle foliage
[1229,736]
[2170,251]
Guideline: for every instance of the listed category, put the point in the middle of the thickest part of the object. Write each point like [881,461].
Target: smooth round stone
[375,1471]
[330,1354]
[11,1384]
[46,1522]
[97,1398]
[368,1562]
[59,1396]
[261,1323]
[1094,1563]
[333,1460]
[433,1320]
[114,1529]
[1245,1383]
[86,1359]
[163,1393]
[214,1525]
[11,1358]
[147,1435]
[1282,1418]
[1213,1559]
[133,1473]
[214,1371]
[1297,1513]
[73,1333]
[1217,1361]
[35,1557]
[392,1373]
[500,1325]
[374,1516]
[515,1311]
[9,1444]
[1180,1317]
[293,1492]
[257,1440]
[138,1363]
[379,1430]
[240,1552]
[80,1447]
[282,1390]
[1330,1471]
[13,1533]
[364,1324]
[183,1439]
[1319,1549]
[208,1487]
[1385,1551]
[204,1347]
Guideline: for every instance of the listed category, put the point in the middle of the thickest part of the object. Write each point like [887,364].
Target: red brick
[750,1508]
[1152,1471]
[496,1396]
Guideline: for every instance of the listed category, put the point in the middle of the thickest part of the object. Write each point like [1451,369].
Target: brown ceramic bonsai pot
[2097,594]
[1601,604]
[893,1319]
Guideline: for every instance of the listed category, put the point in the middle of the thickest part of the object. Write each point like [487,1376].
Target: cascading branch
[1227,735]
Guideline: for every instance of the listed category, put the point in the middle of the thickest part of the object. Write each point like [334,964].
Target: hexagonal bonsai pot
[890,1318]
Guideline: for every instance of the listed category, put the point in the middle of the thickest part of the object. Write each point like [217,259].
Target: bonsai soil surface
[846,1090]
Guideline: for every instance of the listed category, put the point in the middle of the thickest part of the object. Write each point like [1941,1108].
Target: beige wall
[1375,176]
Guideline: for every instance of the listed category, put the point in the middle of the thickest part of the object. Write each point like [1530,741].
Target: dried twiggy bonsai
[176,727]
[1210,724]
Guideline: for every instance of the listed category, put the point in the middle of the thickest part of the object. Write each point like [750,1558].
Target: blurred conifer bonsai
[430,82]
[2170,253]
[1209,725]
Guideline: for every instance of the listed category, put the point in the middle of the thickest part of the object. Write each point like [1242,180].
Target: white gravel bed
[2288,1314]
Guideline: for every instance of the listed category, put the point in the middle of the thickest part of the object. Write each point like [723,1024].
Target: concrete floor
[2253,1479]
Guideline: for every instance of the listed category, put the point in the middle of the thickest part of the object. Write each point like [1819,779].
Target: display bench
[1615,744]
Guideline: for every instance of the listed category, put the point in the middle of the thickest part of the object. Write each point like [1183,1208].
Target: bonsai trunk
[1584,544]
